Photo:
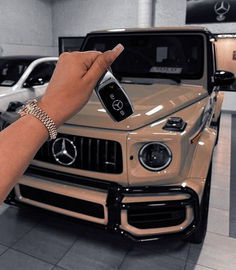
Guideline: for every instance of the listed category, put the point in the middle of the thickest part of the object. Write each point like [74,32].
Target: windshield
[154,55]
[11,70]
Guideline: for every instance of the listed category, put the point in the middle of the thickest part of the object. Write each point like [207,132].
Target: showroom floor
[33,239]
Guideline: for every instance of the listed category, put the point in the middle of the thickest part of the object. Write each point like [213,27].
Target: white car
[24,77]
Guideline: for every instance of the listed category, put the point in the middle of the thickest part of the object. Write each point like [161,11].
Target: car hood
[150,102]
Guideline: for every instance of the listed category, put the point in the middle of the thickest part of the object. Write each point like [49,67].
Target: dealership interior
[155,190]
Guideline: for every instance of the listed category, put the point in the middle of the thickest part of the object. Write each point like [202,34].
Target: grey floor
[35,240]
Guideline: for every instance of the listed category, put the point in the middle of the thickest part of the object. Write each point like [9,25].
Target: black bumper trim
[116,194]
[114,205]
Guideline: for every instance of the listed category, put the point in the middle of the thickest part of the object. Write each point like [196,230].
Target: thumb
[101,63]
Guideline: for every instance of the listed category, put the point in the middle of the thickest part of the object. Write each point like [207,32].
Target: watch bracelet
[36,111]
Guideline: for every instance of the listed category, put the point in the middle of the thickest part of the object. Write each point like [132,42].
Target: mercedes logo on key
[117,105]
[64,151]
[221,8]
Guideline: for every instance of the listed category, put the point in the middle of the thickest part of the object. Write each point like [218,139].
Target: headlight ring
[155,156]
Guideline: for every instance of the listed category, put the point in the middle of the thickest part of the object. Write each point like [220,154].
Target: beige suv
[149,175]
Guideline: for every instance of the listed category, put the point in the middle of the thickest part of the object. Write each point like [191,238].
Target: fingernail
[118,49]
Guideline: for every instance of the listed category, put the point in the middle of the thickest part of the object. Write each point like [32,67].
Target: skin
[69,90]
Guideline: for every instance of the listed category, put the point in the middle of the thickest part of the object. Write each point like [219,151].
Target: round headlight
[155,156]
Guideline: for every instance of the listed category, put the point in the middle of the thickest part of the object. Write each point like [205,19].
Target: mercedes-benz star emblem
[221,8]
[117,105]
[64,151]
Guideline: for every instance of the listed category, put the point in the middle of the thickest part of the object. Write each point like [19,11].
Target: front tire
[198,235]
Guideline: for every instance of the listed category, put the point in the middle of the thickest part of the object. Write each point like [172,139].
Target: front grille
[62,201]
[92,154]
[156,217]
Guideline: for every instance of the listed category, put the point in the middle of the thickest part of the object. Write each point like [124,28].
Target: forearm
[18,144]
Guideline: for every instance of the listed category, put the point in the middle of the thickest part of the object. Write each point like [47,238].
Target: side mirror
[13,105]
[223,78]
[33,81]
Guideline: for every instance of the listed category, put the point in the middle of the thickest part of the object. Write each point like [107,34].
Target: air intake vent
[62,201]
[156,217]
[83,153]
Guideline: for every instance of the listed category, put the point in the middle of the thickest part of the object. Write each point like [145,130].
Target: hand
[73,80]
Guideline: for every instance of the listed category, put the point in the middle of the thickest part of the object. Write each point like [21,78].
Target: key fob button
[112,97]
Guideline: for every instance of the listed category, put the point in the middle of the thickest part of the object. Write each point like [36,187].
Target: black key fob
[113,97]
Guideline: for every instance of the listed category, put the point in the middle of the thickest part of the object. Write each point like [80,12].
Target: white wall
[33,26]
[78,17]
[25,27]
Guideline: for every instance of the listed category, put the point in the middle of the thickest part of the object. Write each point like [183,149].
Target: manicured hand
[73,80]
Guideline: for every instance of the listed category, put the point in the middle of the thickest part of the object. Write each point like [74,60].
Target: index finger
[101,63]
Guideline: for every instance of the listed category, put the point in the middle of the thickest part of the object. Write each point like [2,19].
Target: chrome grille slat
[89,153]
[81,152]
[106,155]
[48,149]
[114,156]
[98,154]
[92,154]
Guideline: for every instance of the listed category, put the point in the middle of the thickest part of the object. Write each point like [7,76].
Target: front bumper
[142,213]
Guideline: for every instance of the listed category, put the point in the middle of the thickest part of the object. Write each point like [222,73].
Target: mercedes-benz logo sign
[64,151]
[117,105]
[221,8]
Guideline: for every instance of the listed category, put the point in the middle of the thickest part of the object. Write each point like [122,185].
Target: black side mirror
[223,78]
[13,105]
[33,81]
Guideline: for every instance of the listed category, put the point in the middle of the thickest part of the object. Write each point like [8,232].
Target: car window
[148,56]
[43,71]
[11,71]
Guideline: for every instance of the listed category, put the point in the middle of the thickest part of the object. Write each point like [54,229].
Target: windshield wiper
[135,82]
[149,81]
[168,76]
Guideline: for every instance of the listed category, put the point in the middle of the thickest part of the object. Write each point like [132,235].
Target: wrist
[32,108]
[36,126]
[51,111]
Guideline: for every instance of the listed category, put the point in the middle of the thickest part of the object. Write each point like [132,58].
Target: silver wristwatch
[31,107]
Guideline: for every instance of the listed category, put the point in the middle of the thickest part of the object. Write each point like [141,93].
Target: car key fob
[113,97]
